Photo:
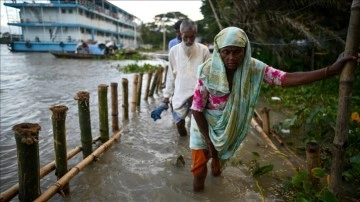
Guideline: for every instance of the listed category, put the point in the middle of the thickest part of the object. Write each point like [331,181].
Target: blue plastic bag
[156,113]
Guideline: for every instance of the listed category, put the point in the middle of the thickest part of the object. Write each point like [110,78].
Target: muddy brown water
[139,167]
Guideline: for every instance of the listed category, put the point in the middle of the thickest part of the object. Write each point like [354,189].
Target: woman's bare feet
[199,181]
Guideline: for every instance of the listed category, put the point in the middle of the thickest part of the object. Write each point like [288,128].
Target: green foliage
[353,172]
[304,189]
[127,55]
[286,28]
[254,165]
[318,172]
[153,33]
[261,170]
[313,112]
[135,68]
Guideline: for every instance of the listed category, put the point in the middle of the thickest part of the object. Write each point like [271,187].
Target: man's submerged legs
[181,127]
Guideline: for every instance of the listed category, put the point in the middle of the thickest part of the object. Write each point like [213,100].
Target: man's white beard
[188,49]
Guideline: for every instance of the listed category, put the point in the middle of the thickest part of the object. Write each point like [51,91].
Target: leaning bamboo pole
[345,92]
[266,121]
[294,157]
[76,169]
[255,125]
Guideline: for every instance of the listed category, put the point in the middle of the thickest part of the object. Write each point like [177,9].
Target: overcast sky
[144,10]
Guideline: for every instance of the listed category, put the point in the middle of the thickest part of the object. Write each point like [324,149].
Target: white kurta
[181,78]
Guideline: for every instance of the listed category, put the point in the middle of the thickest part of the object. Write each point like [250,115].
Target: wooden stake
[312,159]
[134,93]
[59,130]
[139,89]
[27,143]
[84,120]
[148,85]
[114,107]
[159,81]
[165,76]
[125,105]
[103,112]
[153,84]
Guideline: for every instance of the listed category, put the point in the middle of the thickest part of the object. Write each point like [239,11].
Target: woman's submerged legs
[199,168]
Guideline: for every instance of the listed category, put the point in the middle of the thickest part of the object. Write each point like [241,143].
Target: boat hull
[22,46]
[68,55]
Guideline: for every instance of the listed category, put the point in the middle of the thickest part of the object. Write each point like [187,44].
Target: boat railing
[97,8]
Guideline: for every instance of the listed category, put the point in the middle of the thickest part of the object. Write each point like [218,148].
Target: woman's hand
[337,66]
[213,152]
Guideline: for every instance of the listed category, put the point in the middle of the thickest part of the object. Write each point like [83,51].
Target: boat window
[63,11]
[70,11]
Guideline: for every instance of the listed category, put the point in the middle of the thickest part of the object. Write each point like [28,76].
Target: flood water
[139,167]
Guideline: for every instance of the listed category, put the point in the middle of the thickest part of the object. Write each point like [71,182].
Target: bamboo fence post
[14,190]
[84,120]
[125,105]
[153,84]
[27,143]
[158,84]
[134,93]
[103,112]
[345,92]
[114,107]
[312,159]
[165,76]
[148,85]
[139,89]
[59,129]
[77,168]
[265,120]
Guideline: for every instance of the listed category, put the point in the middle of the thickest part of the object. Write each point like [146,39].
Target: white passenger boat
[60,25]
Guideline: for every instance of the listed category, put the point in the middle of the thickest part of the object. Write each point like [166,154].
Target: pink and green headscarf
[229,127]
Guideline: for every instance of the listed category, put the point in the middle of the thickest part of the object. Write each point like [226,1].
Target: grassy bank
[312,112]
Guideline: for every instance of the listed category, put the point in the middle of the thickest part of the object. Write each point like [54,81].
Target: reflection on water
[140,167]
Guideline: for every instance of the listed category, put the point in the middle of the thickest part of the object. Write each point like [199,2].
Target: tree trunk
[345,90]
